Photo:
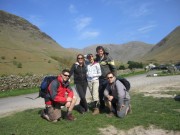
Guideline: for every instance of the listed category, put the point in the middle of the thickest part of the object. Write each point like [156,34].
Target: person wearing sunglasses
[60,94]
[107,65]
[93,74]
[116,97]
[78,70]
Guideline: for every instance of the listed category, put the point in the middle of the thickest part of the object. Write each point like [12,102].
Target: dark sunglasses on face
[66,75]
[110,77]
[80,58]
[90,56]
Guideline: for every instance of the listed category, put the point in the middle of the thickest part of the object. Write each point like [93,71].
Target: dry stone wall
[20,82]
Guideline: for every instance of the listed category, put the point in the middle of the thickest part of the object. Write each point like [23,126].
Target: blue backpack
[43,92]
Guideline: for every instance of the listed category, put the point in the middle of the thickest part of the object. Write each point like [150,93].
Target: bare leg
[72,105]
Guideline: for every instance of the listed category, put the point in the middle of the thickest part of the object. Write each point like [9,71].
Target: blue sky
[80,23]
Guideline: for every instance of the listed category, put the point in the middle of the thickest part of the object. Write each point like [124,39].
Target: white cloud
[135,9]
[72,9]
[83,28]
[89,34]
[142,10]
[147,28]
[114,2]
[82,23]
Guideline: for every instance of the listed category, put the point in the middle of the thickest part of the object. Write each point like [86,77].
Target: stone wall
[20,82]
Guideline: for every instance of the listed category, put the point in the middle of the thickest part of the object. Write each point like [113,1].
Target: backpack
[125,82]
[43,92]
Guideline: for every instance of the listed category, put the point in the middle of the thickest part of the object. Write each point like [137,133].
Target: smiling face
[100,52]
[90,58]
[80,59]
[65,76]
[110,77]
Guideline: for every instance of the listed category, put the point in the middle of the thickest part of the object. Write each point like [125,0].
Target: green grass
[133,73]
[146,111]
[163,73]
[17,92]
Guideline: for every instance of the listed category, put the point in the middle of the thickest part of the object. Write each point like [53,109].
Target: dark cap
[89,55]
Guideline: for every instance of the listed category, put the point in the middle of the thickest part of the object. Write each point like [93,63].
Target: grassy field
[17,92]
[146,111]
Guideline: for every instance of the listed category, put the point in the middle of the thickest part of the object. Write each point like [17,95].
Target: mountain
[24,48]
[131,51]
[167,50]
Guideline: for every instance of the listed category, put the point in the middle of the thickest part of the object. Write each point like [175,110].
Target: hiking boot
[95,111]
[82,110]
[54,121]
[111,114]
[44,116]
[70,117]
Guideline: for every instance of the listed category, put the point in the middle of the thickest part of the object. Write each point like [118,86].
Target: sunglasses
[66,75]
[110,77]
[90,56]
[80,58]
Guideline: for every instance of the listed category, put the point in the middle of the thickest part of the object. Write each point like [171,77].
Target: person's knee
[121,114]
[74,99]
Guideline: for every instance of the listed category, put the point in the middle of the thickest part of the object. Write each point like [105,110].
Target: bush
[133,64]
[19,65]
[3,57]
[122,67]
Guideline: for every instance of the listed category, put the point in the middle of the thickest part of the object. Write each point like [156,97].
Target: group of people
[99,75]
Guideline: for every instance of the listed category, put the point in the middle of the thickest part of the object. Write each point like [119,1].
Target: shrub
[121,67]
[19,65]
[133,64]
[3,57]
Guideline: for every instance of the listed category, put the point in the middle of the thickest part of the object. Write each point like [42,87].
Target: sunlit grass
[146,111]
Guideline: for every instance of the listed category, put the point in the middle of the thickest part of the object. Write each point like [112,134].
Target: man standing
[116,96]
[107,65]
[59,94]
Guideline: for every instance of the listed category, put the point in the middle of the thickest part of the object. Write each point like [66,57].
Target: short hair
[65,70]
[99,48]
[110,73]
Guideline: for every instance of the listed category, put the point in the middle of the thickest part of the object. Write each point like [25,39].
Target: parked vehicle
[160,67]
[178,66]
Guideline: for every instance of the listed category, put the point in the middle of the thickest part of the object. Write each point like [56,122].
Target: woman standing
[93,74]
[80,81]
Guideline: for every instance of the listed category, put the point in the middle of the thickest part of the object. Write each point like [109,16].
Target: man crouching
[59,94]
[116,97]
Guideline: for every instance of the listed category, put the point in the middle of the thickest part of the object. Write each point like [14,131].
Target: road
[139,83]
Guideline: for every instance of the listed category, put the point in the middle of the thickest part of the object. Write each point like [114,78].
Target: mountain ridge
[24,43]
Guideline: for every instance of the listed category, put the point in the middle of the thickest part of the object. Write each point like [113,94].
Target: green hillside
[167,50]
[25,49]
